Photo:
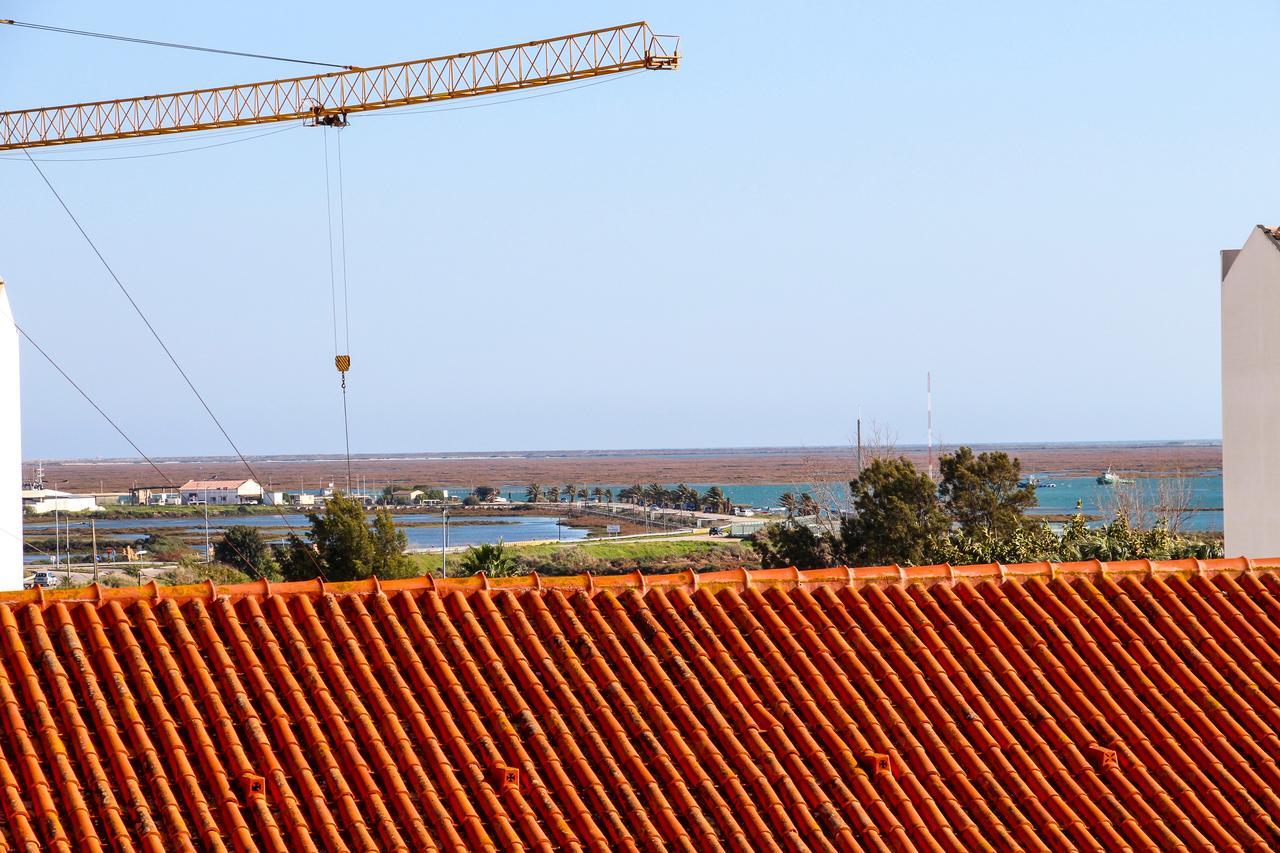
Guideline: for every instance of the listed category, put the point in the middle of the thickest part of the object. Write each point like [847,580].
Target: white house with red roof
[221,492]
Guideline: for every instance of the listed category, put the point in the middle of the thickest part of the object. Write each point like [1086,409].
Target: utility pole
[929,391]
[859,432]
[93,526]
[444,549]
[208,553]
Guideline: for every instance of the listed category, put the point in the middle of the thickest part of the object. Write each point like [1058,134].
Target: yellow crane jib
[327,99]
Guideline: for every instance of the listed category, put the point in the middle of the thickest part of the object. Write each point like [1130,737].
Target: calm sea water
[1205,494]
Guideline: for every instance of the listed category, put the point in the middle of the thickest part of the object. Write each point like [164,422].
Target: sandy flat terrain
[756,465]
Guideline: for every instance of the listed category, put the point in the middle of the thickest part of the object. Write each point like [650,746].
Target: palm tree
[806,504]
[569,491]
[788,502]
[608,495]
[533,493]
[493,560]
[552,493]
[598,494]
[582,494]
[713,500]
[655,493]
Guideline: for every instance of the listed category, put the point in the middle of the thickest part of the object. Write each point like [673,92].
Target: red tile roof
[1088,706]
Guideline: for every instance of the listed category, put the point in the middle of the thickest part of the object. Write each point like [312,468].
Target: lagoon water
[1205,492]
[462,531]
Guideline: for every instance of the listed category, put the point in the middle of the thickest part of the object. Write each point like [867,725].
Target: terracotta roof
[213,484]
[1050,707]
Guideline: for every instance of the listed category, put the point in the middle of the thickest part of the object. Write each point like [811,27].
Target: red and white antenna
[928,384]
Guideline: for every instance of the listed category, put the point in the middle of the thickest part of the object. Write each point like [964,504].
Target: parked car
[43,578]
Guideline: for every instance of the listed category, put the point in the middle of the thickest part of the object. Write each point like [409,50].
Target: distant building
[221,492]
[41,501]
[154,496]
[300,499]
[406,497]
[1251,395]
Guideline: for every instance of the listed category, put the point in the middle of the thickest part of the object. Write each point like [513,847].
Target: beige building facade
[1251,396]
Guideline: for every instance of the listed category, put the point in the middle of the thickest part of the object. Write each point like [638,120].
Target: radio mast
[928,383]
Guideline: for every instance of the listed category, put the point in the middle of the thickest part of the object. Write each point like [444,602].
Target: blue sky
[826,201]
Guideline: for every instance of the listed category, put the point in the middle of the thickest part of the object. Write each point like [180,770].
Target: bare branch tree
[1173,500]
[829,484]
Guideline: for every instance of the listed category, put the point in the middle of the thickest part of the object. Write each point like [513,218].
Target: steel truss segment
[538,63]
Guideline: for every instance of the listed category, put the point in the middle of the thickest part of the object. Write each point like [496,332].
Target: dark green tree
[789,544]
[243,548]
[484,494]
[389,543]
[342,539]
[896,518]
[297,560]
[982,493]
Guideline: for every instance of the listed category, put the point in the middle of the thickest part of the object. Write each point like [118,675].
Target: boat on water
[1036,483]
[1111,478]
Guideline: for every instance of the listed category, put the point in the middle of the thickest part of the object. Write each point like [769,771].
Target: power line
[164,347]
[91,402]
[154,43]
[123,434]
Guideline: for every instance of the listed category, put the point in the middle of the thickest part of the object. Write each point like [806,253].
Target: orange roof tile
[1031,707]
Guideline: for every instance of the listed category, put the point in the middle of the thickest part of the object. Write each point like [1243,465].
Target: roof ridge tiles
[740,578]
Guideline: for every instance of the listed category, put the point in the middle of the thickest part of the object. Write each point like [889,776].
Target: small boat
[1036,483]
[1111,478]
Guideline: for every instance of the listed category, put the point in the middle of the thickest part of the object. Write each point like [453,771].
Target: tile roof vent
[1106,758]
[252,786]
[877,764]
[505,778]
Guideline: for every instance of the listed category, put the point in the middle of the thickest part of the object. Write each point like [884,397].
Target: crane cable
[341,358]
[153,43]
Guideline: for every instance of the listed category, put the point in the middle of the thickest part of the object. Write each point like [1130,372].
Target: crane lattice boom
[328,98]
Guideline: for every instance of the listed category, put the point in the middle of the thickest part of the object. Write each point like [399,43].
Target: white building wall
[71,503]
[1251,398]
